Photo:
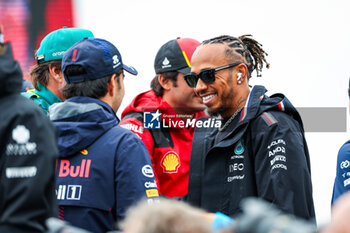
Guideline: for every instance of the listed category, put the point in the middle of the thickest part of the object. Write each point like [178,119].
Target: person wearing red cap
[164,116]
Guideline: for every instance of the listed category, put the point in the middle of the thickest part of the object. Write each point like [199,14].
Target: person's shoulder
[270,119]
[26,106]
[25,111]
[30,94]
[121,133]
[36,98]
[124,139]
[344,150]
[346,146]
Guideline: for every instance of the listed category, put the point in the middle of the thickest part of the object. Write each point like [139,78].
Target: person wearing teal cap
[46,76]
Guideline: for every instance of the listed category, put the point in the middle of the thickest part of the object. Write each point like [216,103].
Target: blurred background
[307,42]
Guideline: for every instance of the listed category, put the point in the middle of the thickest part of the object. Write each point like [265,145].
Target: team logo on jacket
[152,193]
[147,171]
[21,145]
[170,162]
[69,192]
[21,134]
[239,149]
[67,169]
[84,151]
[151,120]
[344,164]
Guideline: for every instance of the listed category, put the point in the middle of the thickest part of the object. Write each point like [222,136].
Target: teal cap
[53,46]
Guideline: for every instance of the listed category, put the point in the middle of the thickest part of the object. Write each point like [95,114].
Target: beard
[226,100]
[216,112]
[225,108]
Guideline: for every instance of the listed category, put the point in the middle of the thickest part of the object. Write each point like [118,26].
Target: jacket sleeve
[27,195]
[281,164]
[134,124]
[134,177]
[342,179]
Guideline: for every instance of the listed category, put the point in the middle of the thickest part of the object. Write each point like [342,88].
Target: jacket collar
[83,99]
[46,94]
[238,126]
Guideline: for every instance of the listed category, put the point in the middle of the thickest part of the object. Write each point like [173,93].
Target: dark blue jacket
[103,168]
[262,153]
[342,179]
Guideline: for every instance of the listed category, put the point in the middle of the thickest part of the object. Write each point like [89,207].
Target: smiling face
[183,98]
[224,96]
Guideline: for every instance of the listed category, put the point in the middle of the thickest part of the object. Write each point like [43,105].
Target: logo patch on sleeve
[152,193]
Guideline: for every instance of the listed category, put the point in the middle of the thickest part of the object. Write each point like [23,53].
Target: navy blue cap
[98,57]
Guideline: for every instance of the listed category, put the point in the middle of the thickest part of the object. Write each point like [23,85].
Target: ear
[242,68]
[111,84]
[55,73]
[164,82]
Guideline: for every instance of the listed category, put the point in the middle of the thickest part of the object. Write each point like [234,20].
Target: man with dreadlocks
[260,148]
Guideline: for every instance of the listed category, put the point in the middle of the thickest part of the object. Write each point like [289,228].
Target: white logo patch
[22,146]
[166,63]
[344,164]
[21,172]
[58,53]
[21,134]
[149,184]
[115,59]
[147,171]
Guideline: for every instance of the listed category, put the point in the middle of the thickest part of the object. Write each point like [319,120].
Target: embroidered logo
[166,63]
[116,61]
[147,171]
[170,162]
[239,149]
[21,146]
[21,134]
[84,152]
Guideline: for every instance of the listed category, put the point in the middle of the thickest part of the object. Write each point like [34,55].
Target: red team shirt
[169,147]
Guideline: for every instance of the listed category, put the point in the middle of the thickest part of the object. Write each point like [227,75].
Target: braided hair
[248,48]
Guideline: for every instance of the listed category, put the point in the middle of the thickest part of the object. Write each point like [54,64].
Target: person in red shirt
[164,117]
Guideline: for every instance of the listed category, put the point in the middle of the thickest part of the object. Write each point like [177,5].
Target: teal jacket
[43,97]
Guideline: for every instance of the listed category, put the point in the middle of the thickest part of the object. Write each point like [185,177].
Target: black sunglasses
[207,76]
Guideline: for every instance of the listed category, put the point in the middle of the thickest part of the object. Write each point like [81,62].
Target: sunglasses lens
[191,80]
[208,76]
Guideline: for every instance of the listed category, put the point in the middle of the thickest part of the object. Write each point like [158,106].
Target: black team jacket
[262,153]
[28,151]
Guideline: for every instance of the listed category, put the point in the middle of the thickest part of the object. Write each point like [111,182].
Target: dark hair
[41,72]
[249,49]
[92,88]
[155,85]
